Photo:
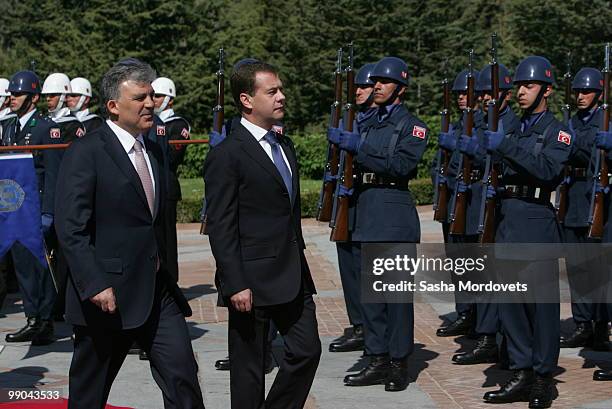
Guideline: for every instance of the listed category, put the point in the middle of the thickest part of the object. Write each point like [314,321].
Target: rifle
[486,217]
[218,117]
[562,189]
[440,203]
[340,230]
[458,212]
[596,211]
[326,197]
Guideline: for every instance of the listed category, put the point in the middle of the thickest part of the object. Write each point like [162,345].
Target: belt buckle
[368,177]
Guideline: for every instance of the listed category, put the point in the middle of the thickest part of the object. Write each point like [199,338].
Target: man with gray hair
[110,209]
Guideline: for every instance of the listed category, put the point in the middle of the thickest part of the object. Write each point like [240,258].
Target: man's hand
[242,301]
[105,300]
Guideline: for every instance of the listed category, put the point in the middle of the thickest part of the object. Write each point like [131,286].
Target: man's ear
[549,90]
[35,99]
[111,107]
[245,100]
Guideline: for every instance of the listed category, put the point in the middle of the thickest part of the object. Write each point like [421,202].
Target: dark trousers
[389,329]
[487,318]
[581,273]
[35,283]
[248,332]
[171,239]
[349,259]
[461,306]
[99,354]
[532,329]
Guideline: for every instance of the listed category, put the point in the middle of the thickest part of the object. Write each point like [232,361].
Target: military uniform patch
[564,137]
[185,133]
[80,132]
[161,130]
[55,133]
[419,132]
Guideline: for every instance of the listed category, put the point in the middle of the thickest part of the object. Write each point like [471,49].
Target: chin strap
[163,105]
[79,104]
[538,99]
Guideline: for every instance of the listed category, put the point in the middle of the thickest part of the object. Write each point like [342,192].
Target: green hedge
[189,208]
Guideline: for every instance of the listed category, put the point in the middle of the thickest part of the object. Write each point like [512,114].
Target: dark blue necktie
[279,162]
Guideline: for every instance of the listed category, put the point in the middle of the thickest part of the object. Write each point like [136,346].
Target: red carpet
[41,404]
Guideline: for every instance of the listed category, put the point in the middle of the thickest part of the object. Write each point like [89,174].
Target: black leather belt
[374,179]
[579,172]
[534,193]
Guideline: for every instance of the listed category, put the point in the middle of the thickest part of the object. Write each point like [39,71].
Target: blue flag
[20,205]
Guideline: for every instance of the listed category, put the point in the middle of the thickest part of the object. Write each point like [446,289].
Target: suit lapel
[257,153]
[115,150]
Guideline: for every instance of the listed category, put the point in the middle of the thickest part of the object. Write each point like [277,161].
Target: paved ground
[436,383]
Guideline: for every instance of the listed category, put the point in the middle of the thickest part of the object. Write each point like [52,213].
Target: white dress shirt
[128,141]
[259,133]
[23,121]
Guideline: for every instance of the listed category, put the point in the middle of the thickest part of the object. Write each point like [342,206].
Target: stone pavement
[436,383]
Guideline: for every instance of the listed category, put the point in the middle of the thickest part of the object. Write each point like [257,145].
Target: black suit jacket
[254,227]
[107,232]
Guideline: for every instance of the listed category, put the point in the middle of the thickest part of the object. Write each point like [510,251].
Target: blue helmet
[363,76]
[24,82]
[588,78]
[534,68]
[391,68]
[484,79]
[461,83]
[244,61]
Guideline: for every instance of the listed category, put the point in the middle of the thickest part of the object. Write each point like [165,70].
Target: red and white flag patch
[564,137]
[419,132]
[80,133]
[55,133]
[185,133]
[161,130]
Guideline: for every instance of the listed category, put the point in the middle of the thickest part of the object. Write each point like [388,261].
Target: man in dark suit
[253,192]
[110,226]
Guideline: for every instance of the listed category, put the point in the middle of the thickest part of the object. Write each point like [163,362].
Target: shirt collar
[257,131]
[82,114]
[126,139]
[23,121]
[165,114]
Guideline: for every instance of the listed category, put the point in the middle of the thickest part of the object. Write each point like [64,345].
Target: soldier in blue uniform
[383,210]
[532,165]
[35,281]
[464,323]
[348,252]
[487,317]
[56,89]
[79,101]
[590,318]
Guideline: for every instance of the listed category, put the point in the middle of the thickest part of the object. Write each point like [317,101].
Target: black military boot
[44,335]
[353,341]
[485,352]
[397,380]
[581,337]
[461,326]
[517,389]
[602,375]
[223,364]
[374,374]
[26,333]
[541,394]
[601,336]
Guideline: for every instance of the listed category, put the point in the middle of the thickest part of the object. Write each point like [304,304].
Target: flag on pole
[20,205]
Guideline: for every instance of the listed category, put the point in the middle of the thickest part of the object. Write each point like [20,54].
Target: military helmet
[81,86]
[534,68]
[461,81]
[588,78]
[363,75]
[24,82]
[391,68]
[4,84]
[484,78]
[57,83]
[164,86]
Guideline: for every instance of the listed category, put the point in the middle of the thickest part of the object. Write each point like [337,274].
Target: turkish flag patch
[564,137]
[55,133]
[80,132]
[185,133]
[419,132]
[161,130]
